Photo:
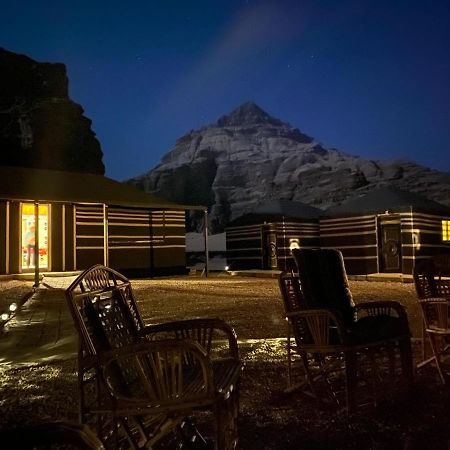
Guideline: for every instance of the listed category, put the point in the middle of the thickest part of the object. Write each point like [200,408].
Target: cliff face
[248,156]
[39,125]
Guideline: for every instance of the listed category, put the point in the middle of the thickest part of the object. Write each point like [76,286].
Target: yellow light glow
[29,254]
[446,230]
[294,243]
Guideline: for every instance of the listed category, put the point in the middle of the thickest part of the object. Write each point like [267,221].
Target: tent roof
[25,184]
[287,208]
[275,210]
[387,199]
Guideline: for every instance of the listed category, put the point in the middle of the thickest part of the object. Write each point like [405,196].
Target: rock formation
[39,125]
[248,156]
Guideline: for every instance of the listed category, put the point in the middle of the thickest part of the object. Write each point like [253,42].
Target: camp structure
[54,221]
[263,238]
[386,231]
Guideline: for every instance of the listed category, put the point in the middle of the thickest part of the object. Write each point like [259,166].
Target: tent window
[446,230]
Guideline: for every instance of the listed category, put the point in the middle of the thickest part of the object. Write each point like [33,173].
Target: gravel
[270,418]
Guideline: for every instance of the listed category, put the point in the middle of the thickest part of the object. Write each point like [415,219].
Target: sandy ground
[11,291]
[270,419]
[251,305]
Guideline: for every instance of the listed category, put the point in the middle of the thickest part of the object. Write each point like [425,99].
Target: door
[270,250]
[30,256]
[390,248]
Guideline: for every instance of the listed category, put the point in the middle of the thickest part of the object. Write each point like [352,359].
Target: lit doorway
[29,257]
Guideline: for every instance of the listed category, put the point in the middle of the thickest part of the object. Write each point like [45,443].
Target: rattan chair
[137,383]
[432,283]
[331,334]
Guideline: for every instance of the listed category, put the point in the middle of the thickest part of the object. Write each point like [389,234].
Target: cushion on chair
[375,328]
[324,281]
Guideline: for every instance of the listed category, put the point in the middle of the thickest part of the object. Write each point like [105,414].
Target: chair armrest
[203,330]
[443,287]
[384,308]
[324,326]
[158,376]
[379,308]
[436,314]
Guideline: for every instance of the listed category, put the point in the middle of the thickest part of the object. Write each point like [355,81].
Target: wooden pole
[36,245]
[205,235]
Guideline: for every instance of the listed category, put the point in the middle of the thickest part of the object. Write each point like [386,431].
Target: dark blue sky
[370,78]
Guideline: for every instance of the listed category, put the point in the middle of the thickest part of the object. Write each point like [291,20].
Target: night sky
[371,78]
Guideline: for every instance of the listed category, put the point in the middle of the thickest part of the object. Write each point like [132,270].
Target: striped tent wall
[421,237]
[146,240]
[135,241]
[89,240]
[130,236]
[169,248]
[244,247]
[248,245]
[303,234]
[356,238]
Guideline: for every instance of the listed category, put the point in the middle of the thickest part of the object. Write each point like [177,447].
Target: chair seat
[226,374]
[376,328]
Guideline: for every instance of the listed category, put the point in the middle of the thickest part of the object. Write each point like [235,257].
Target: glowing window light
[446,230]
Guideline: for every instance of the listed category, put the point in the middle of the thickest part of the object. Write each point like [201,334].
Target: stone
[247,157]
[40,126]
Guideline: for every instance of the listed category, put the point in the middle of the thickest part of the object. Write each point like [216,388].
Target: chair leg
[438,348]
[226,414]
[424,341]
[289,360]
[351,375]
[407,360]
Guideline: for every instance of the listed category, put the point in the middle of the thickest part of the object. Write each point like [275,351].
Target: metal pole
[284,246]
[205,235]
[413,240]
[377,243]
[36,244]
[7,238]
[105,237]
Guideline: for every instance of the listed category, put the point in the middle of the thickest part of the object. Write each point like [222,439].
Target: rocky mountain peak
[249,113]
[40,126]
[247,156]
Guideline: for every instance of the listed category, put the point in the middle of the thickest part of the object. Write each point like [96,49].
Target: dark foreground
[270,418]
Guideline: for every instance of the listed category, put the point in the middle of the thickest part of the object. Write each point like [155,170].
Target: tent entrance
[390,245]
[32,236]
[270,259]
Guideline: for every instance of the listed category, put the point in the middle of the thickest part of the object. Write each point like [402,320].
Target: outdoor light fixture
[227,267]
[4,316]
[294,243]
[13,307]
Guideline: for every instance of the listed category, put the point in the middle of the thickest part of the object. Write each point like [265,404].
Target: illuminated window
[446,230]
[29,255]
